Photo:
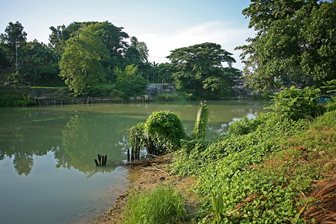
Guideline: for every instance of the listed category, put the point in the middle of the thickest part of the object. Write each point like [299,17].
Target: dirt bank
[148,175]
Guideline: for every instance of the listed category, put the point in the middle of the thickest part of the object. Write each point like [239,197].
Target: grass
[162,205]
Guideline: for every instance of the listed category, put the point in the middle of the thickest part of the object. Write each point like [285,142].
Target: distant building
[157,88]
[239,88]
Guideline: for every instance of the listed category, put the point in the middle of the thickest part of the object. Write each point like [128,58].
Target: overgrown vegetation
[297,104]
[162,132]
[12,97]
[162,205]
[264,168]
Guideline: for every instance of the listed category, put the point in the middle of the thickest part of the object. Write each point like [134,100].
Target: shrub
[105,90]
[136,134]
[12,98]
[165,129]
[171,97]
[163,205]
[297,104]
[331,105]
[244,126]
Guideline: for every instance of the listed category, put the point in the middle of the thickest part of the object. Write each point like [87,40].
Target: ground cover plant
[264,169]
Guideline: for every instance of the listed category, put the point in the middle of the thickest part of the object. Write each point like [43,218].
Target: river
[47,169]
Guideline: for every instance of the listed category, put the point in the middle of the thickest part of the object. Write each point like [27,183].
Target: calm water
[47,170]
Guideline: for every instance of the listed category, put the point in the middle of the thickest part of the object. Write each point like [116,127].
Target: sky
[163,25]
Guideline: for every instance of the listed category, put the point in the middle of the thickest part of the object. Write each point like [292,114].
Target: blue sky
[163,24]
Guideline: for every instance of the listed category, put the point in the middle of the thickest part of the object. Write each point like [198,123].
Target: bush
[11,98]
[165,129]
[163,205]
[105,90]
[131,86]
[297,104]
[244,126]
[331,105]
[170,97]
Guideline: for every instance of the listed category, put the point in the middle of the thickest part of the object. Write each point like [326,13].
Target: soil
[147,175]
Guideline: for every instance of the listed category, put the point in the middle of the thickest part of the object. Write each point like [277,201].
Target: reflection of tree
[25,133]
[23,163]
[85,136]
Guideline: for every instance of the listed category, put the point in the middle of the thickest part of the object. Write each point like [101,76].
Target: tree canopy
[199,70]
[295,43]
[13,36]
[83,63]
[129,82]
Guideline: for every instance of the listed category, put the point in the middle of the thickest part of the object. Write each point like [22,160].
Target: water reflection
[75,139]
[85,136]
[23,163]
[75,135]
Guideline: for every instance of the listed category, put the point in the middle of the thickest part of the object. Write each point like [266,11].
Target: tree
[83,63]
[4,59]
[295,43]
[13,39]
[137,53]
[129,82]
[60,34]
[14,35]
[38,64]
[199,70]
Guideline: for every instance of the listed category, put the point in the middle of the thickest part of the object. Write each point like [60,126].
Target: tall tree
[137,53]
[295,43]
[38,64]
[199,69]
[60,34]
[114,39]
[13,37]
[83,63]
[4,59]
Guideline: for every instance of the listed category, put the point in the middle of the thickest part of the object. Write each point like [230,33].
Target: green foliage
[297,104]
[38,64]
[10,98]
[136,135]
[13,37]
[201,122]
[198,70]
[105,90]
[329,87]
[244,126]
[217,207]
[4,59]
[113,37]
[258,171]
[191,150]
[288,48]
[165,129]
[165,97]
[331,105]
[129,83]
[162,205]
[83,60]
[137,53]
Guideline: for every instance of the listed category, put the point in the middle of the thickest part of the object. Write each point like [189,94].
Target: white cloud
[229,37]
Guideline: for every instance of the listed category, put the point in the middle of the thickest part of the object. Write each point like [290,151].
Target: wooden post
[99,160]
[105,160]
